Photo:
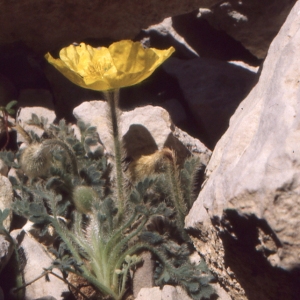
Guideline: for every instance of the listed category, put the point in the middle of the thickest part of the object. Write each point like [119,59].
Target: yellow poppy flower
[122,64]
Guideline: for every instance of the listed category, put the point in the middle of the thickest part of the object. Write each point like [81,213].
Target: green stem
[113,99]
[111,244]
[117,250]
[116,236]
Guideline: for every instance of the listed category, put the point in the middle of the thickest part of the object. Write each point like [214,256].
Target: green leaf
[35,119]
[91,130]
[4,214]
[90,141]
[82,126]
[135,197]
[205,292]
[151,237]
[11,111]
[10,105]
[193,286]
[142,209]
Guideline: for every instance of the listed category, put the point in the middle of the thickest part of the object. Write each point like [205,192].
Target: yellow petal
[65,70]
[162,56]
[77,58]
[134,63]
[131,57]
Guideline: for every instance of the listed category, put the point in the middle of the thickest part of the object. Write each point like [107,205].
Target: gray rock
[149,294]
[43,25]
[25,115]
[143,275]
[6,250]
[254,23]
[37,259]
[3,168]
[6,198]
[176,110]
[212,89]
[252,190]
[166,29]
[168,292]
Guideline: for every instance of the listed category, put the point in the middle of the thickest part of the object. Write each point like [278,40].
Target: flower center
[100,67]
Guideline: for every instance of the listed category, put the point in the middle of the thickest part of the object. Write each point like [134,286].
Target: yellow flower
[122,64]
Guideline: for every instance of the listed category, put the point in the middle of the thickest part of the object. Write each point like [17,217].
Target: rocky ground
[229,92]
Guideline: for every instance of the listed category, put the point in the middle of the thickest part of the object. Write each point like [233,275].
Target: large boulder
[6,195]
[45,25]
[212,90]
[246,219]
[37,259]
[254,23]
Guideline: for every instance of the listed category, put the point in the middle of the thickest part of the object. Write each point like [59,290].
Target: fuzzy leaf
[8,158]
[35,120]
[162,209]
[193,286]
[3,215]
[206,292]
[82,126]
[142,209]
[62,208]
[89,141]
[151,237]
[135,197]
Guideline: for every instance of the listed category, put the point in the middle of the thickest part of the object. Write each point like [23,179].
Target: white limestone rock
[6,250]
[168,292]
[6,198]
[37,259]
[25,115]
[253,186]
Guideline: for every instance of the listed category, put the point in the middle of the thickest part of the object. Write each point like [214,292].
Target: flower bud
[35,161]
[83,197]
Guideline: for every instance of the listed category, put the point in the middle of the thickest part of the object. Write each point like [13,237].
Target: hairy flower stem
[113,99]
[176,192]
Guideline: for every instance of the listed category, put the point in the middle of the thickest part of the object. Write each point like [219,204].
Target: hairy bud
[147,165]
[83,197]
[35,161]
